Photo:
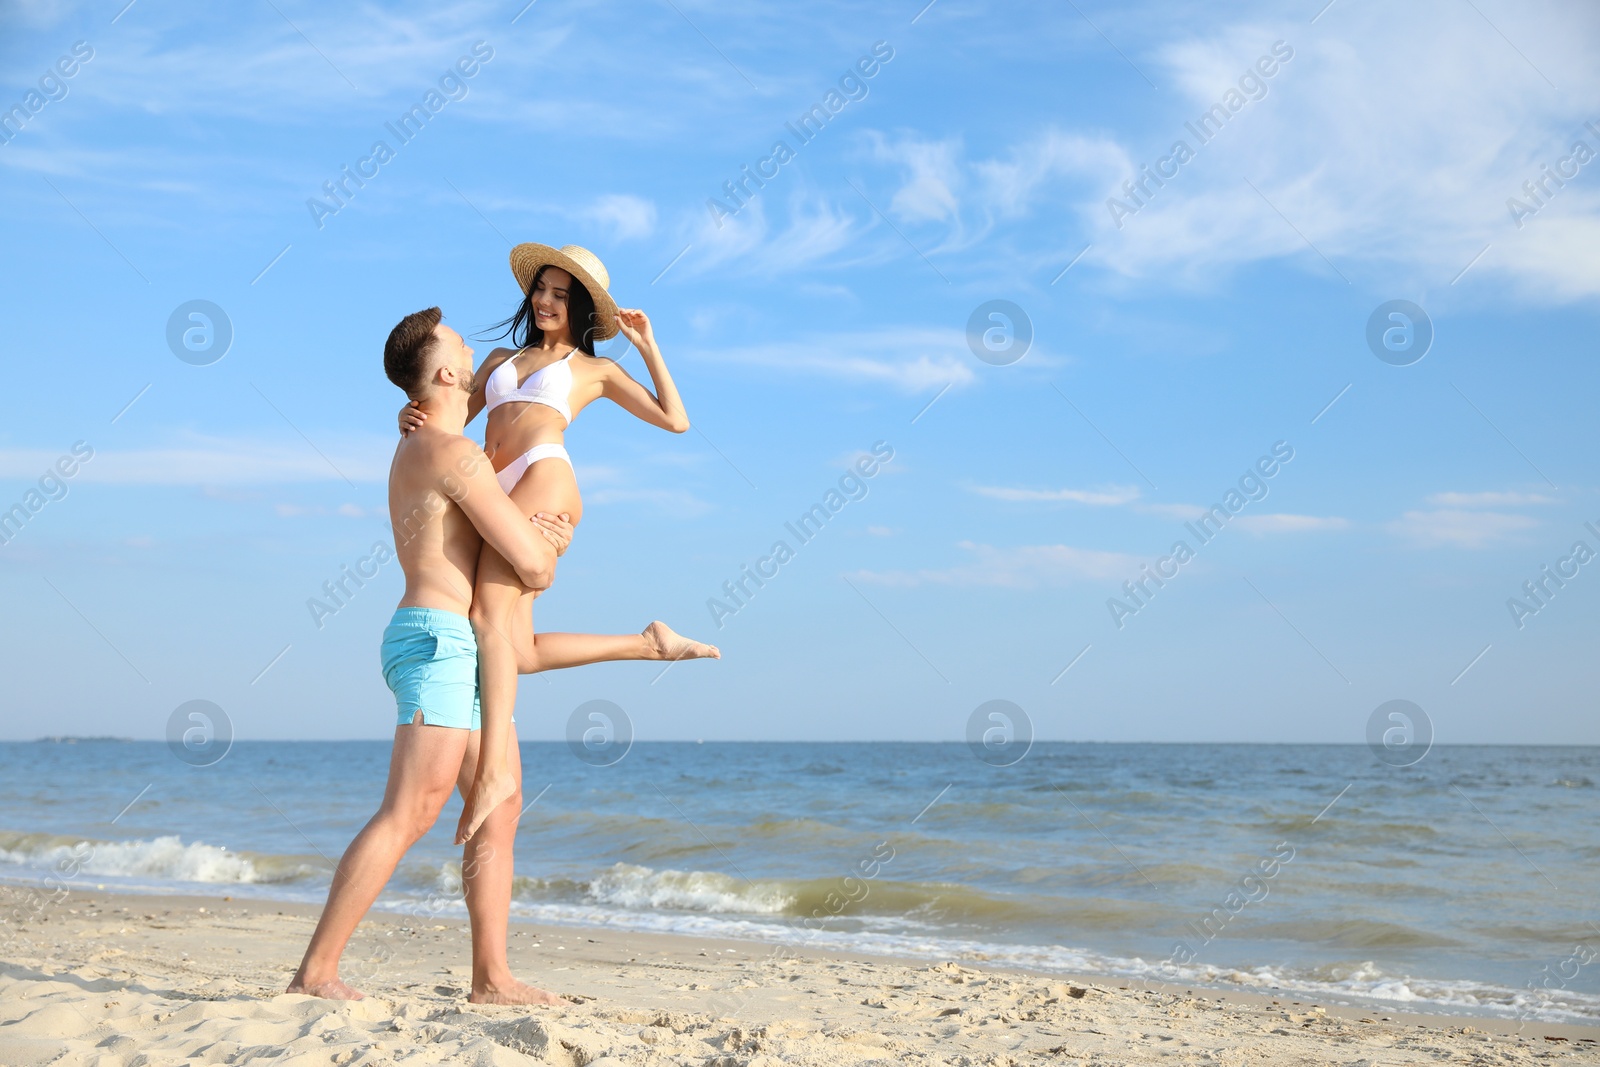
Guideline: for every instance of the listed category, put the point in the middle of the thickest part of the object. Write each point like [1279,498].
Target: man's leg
[486,871]
[422,770]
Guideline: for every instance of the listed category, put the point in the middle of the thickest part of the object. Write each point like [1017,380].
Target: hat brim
[527,258]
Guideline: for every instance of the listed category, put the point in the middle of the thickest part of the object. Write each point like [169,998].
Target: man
[444,503]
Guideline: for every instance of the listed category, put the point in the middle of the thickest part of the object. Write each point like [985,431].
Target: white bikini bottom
[512,474]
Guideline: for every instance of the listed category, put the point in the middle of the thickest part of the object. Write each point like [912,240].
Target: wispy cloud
[932,176]
[1284,523]
[1021,567]
[1033,168]
[38,14]
[817,230]
[674,502]
[1110,496]
[254,64]
[1488,500]
[906,360]
[347,511]
[1468,520]
[1173,512]
[1120,495]
[937,183]
[1460,529]
[209,462]
[1415,210]
[624,216]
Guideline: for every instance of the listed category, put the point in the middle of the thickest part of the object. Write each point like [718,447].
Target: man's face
[454,353]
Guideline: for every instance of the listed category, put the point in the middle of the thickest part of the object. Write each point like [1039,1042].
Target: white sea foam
[1366,982]
[713,905]
[637,888]
[640,889]
[710,904]
[165,858]
[1362,985]
[645,889]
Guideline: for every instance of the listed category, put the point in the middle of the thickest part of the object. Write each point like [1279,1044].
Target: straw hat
[582,264]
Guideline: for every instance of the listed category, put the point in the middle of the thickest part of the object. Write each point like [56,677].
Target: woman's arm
[664,408]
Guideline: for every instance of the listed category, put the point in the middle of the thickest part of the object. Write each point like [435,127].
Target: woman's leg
[486,872]
[546,486]
[549,487]
[557,651]
[494,603]
[502,619]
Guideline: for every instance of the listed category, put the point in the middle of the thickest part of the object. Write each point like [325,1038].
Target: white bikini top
[550,385]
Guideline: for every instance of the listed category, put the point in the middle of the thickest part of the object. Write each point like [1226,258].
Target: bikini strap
[510,361]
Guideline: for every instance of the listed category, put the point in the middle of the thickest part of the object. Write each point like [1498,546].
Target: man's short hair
[405,356]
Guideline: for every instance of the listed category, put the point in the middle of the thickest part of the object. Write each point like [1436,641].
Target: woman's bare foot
[333,989]
[515,992]
[489,791]
[669,644]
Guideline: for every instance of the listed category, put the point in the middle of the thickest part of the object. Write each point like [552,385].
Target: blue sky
[1177,338]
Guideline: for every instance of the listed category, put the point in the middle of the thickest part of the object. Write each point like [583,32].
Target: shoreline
[1349,1003]
[118,974]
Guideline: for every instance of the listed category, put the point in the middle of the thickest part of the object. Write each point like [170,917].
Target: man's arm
[472,485]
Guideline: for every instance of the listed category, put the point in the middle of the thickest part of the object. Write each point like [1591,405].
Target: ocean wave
[864,902]
[1362,934]
[920,921]
[627,886]
[634,888]
[166,858]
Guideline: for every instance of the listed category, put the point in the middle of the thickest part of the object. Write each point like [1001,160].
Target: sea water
[1469,882]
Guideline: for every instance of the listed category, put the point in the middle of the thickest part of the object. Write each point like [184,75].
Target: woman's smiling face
[549,300]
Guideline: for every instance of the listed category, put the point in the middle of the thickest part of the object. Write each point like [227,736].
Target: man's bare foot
[515,992]
[489,791]
[333,989]
[669,644]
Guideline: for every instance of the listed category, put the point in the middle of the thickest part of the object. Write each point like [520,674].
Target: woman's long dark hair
[523,333]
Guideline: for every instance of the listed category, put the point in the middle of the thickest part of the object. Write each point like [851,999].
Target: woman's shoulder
[594,359]
[496,358]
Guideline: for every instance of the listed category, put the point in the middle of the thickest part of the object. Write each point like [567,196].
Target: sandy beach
[141,981]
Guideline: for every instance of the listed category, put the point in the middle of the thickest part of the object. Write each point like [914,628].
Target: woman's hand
[635,326]
[412,417]
[556,529]
[665,407]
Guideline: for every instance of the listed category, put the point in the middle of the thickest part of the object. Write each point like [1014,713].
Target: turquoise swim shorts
[430,660]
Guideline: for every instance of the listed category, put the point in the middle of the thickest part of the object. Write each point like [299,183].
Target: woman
[533,393]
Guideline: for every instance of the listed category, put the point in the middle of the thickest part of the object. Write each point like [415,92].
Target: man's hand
[473,488]
[556,529]
[412,417]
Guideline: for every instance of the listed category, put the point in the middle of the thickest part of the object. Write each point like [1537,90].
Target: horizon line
[77,739]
